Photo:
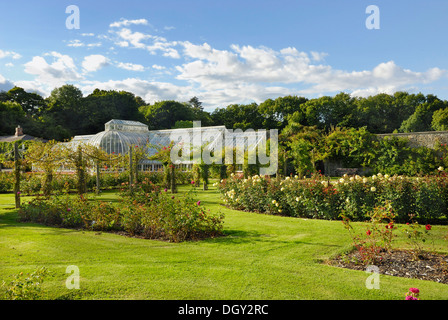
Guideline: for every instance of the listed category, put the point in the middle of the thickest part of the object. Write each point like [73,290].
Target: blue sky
[225,51]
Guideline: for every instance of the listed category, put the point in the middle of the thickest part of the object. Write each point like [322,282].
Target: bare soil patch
[401,263]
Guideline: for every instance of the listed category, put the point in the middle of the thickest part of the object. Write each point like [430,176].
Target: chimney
[19,131]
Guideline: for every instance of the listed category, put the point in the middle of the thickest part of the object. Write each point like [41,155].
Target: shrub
[145,211]
[378,234]
[416,235]
[26,286]
[154,213]
[354,196]
[6,182]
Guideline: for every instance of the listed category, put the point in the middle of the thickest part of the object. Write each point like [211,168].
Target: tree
[239,116]
[65,107]
[196,104]
[421,119]
[352,146]
[11,115]
[440,120]
[103,105]
[32,103]
[303,147]
[276,112]
[164,114]
[377,113]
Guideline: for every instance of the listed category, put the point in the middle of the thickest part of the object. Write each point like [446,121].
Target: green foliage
[440,120]
[66,112]
[11,114]
[353,147]
[25,286]
[394,156]
[354,197]
[421,119]
[156,214]
[377,236]
[147,211]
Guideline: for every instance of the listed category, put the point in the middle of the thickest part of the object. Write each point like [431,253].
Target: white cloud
[96,44]
[318,56]
[131,66]
[125,22]
[133,38]
[5,85]
[78,43]
[75,43]
[150,91]
[9,64]
[59,71]
[12,54]
[94,62]
[157,67]
[129,38]
[237,74]
[122,44]
[246,71]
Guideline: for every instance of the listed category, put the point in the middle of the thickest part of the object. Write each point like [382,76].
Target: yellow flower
[373,189]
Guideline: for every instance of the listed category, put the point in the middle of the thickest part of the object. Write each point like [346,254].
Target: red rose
[428,227]
[368,232]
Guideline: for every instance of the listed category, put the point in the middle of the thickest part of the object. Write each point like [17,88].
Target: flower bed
[32,182]
[145,212]
[425,198]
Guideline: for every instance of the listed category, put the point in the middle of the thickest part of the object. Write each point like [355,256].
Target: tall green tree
[440,120]
[276,112]
[165,114]
[65,107]
[32,103]
[11,115]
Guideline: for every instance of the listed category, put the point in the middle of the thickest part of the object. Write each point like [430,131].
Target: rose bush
[145,211]
[426,198]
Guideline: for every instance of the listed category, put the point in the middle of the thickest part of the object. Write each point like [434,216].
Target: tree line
[66,112]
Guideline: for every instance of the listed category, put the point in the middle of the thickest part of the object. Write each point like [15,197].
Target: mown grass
[260,257]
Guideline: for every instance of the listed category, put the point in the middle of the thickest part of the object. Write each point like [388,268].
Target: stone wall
[418,139]
[427,139]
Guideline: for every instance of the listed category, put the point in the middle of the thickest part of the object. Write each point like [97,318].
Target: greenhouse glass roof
[119,135]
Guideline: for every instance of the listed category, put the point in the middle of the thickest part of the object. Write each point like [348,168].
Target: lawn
[260,257]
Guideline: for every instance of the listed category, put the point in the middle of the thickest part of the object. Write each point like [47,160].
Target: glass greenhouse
[119,135]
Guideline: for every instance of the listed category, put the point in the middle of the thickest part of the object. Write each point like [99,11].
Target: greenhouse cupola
[119,135]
